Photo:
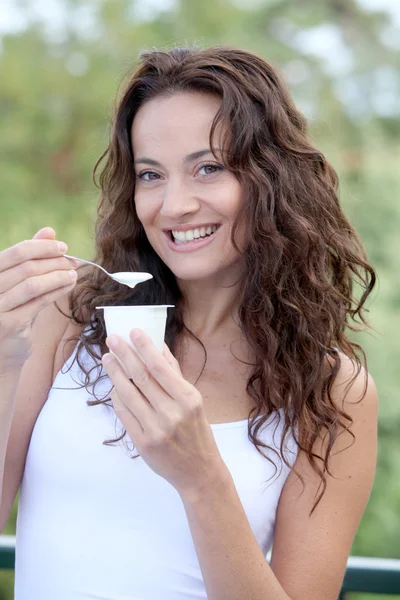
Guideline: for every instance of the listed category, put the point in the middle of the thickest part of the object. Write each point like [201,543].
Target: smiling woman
[186,192]
[260,410]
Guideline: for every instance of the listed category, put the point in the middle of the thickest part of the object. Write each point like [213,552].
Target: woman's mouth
[184,241]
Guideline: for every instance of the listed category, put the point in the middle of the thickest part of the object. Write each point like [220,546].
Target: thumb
[46,233]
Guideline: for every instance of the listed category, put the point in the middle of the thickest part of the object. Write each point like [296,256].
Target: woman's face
[183,193]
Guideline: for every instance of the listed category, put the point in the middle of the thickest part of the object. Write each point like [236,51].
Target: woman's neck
[210,310]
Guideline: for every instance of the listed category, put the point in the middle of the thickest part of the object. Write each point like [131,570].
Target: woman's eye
[148,176]
[210,169]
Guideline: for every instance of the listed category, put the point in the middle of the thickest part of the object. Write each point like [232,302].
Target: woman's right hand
[33,274]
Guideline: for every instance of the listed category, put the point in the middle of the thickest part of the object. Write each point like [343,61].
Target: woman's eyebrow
[189,158]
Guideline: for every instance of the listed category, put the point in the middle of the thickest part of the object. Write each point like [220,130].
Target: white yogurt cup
[151,319]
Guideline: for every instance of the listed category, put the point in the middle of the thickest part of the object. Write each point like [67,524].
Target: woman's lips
[190,246]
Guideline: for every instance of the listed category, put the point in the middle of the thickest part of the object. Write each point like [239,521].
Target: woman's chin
[196,275]
[219,276]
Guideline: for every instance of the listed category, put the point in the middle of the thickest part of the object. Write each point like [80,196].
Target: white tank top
[95,524]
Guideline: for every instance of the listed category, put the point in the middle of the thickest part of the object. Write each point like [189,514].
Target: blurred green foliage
[57,89]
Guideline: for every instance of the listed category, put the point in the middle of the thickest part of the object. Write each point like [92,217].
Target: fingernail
[135,334]
[112,341]
[76,263]
[107,359]
[62,246]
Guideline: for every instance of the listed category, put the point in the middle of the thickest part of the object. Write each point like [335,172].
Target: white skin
[177,192]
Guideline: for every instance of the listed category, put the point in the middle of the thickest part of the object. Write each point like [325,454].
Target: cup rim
[139,306]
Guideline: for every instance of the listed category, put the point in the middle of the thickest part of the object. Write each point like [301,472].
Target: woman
[257,423]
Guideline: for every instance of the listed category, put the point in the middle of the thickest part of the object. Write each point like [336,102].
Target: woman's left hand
[163,415]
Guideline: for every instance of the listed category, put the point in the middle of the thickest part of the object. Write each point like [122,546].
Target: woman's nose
[178,200]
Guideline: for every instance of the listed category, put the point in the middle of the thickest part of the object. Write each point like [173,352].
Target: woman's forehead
[183,118]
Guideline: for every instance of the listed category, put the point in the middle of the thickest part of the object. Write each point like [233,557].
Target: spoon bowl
[129,278]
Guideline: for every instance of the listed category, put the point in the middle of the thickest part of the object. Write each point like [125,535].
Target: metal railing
[7,551]
[372,576]
[363,574]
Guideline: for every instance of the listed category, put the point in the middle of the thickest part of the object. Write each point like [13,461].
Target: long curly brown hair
[303,260]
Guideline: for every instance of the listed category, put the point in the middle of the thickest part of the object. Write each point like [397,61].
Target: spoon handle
[88,262]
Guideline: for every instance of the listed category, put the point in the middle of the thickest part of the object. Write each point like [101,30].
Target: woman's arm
[309,554]
[23,394]
[8,386]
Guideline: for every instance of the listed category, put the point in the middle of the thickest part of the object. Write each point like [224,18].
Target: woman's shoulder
[353,382]
[354,397]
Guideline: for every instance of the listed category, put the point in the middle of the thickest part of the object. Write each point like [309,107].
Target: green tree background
[341,62]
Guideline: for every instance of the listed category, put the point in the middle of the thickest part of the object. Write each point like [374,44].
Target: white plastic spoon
[129,278]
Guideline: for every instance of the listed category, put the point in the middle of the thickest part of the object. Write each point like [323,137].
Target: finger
[48,233]
[77,264]
[127,418]
[171,358]
[167,376]
[29,311]
[137,371]
[32,268]
[130,396]
[35,286]
[30,249]
[45,233]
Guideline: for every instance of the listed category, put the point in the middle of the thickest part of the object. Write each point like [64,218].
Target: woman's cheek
[144,208]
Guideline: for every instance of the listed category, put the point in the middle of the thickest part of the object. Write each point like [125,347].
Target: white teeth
[191,234]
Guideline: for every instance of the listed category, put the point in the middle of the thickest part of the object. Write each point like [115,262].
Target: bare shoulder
[310,553]
[351,383]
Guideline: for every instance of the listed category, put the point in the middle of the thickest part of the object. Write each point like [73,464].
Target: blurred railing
[372,576]
[363,574]
[7,551]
